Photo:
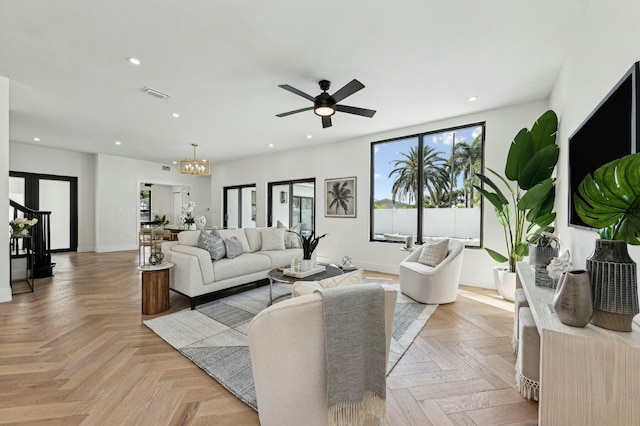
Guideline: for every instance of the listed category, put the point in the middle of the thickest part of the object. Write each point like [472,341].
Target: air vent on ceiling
[156,93]
[166,168]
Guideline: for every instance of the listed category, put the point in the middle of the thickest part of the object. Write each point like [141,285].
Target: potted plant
[161,220]
[20,226]
[309,244]
[531,160]
[610,202]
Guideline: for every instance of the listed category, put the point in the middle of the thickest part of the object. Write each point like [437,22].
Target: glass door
[293,202]
[239,206]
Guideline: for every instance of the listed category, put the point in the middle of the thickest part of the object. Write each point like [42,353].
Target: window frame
[420,193]
[225,201]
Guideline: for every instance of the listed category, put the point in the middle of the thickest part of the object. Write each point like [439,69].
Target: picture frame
[340,197]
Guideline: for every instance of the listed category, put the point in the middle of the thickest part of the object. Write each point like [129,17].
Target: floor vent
[155,93]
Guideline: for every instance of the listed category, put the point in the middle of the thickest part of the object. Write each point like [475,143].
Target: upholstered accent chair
[287,346]
[432,284]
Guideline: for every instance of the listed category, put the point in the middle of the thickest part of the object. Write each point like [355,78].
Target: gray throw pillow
[291,239]
[434,252]
[214,244]
[233,246]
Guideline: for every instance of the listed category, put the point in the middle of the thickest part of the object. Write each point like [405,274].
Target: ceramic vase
[306,265]
[572,301]
[614,285]
[192,227]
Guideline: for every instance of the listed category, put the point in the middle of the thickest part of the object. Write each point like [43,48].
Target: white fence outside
[461,223]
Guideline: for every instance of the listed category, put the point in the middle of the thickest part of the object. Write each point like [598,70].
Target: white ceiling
[222,62]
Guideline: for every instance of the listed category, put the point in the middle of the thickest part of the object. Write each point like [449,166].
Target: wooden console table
[155,288]
[588,376]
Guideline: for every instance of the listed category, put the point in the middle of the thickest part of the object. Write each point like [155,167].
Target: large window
[436,171]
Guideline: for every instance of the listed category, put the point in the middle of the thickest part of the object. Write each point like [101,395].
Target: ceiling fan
[325,105]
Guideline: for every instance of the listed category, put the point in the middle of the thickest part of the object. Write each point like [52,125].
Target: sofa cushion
[300,288]
[434,252]
[282,257]
[214,244]
[238,233]
[291,236]
[272,239]
[248,263]
[254,238]
[189,238]
[233,247]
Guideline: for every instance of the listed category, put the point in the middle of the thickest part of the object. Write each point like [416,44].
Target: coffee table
[278,276]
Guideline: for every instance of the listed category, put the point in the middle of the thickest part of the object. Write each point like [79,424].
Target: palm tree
[340,196]
[467,161]
[405,187]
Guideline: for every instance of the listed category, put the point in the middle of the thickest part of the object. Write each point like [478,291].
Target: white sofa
[195,274]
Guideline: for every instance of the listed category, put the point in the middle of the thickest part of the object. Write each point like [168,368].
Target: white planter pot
[192,226]
[306,264]
[505,282]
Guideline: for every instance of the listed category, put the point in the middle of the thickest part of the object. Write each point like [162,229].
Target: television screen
[608,133]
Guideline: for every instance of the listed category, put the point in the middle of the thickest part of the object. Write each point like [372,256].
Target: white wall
[37,159]
[117,187]
[5,284]
[605,47]
[351,158]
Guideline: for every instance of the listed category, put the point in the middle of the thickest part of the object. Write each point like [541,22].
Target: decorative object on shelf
[340,197]
[572,301]
[530,163]
[610,202]
[559,265]
[409,242]
[543,247]
[191,166]
[20,226]
[347,264]
[201,221]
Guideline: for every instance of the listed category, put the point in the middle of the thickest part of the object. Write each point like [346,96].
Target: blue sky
[385,153]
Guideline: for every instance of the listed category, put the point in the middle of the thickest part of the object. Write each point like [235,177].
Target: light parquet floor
[76,352]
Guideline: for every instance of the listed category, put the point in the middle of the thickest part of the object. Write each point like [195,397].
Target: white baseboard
[105,249]
[86,249]
[5,295]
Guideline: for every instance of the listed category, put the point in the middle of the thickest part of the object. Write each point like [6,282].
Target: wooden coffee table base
[155,289]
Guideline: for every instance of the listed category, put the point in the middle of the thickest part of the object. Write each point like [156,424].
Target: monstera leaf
[611,199]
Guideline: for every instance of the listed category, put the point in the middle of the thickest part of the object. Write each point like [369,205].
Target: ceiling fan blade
[297,92]
[284,114]
[326,122]
[355,110]
[349,89]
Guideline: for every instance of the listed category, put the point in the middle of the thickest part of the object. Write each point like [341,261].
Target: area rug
[214,335]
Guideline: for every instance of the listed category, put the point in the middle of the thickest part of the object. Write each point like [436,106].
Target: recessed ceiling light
[270,145]
[175,115]
[309,136]
[473,99]
[134,61]
[118,143]
[175,162]
[36,139]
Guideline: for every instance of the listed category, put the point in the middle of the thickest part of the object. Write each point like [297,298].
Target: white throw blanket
[354,320]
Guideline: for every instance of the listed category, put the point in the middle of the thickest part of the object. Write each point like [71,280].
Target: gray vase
[572,301]
[614,285]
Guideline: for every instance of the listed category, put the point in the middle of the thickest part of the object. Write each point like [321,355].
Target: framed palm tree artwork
[340,197]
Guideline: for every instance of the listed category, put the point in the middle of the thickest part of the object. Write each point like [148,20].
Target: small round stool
[520,300]
[528,358]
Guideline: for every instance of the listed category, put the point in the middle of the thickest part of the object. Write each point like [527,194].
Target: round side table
[155,288]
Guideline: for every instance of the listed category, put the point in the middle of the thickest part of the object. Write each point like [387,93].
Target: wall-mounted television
[609,132]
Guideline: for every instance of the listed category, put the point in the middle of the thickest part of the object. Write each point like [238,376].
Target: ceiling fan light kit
[325,105]
[191,166]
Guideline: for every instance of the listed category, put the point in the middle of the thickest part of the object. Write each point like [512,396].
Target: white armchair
[287,346]
[432,284]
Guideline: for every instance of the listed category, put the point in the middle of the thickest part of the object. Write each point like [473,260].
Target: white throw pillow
[291,236]
[272,239]
[254,238]
[301,288]
[434,252]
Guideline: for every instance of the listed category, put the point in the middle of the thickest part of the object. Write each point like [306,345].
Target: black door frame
[270,186]
[225,216]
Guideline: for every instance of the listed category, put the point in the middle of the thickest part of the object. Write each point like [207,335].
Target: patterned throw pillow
[291,239]
[434,252]
[233,247]
[214,244]
[272,238]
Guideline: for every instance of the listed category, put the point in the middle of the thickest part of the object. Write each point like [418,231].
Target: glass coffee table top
[278,276]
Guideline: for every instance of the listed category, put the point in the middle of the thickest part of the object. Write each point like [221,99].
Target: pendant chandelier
[191,166]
